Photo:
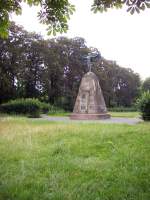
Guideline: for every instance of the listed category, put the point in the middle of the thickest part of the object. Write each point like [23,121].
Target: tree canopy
[51,70]
[56,13]
[146,84]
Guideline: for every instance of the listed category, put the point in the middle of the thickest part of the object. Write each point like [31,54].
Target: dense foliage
[146,84]
[144,105]
[51,70]
[55,14]
[30,107]
[132,5]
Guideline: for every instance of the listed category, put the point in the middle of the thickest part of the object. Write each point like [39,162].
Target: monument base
[76,116]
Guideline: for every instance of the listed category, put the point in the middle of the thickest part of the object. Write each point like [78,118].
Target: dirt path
[115,120]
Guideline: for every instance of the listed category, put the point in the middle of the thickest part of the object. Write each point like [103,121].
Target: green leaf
[143,6]
[147,5]
[137,10]
[18,12]
[132,11]
[129,9]
[54,32]
[49,32]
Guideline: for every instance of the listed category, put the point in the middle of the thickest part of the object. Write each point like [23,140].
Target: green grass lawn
[125,114]
[113,114]
[60,114]
[41,160]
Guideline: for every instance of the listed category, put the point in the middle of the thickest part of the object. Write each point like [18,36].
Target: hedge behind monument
[29,107]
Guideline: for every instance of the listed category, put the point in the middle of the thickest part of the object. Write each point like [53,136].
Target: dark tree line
[51,70]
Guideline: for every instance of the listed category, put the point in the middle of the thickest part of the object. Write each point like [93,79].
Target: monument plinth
[90,104]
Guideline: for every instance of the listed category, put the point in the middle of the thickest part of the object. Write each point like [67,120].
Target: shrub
[143,104]
[45,108]
[29,107]
[146,85]
[51,109]
[55,109]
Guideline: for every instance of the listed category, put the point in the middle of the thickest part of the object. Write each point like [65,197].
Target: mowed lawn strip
[125,114]
[73,161]
[113,114]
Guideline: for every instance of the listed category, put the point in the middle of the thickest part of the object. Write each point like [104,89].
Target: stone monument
[90,104]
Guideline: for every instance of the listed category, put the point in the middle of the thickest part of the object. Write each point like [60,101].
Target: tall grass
[73,161]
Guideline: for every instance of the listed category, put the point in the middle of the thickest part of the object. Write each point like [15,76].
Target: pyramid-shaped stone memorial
[90,102]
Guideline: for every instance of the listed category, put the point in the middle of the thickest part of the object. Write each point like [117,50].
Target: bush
[55,109]
[29,107]
[146,85]
[122,109]
[143,104]
[51,109]
[45,108]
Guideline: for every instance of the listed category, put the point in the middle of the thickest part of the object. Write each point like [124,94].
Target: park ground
[113,114]
[47,160]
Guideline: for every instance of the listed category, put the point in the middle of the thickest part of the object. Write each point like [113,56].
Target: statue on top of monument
[92,57]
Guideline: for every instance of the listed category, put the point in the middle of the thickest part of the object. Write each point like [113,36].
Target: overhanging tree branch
[56,13]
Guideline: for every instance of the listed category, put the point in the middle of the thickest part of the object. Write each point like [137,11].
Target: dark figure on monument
[90,102]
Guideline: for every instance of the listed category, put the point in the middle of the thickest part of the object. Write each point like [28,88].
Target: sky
[119,36]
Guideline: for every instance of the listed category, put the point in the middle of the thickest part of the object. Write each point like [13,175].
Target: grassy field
[125,114]
[41,160]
